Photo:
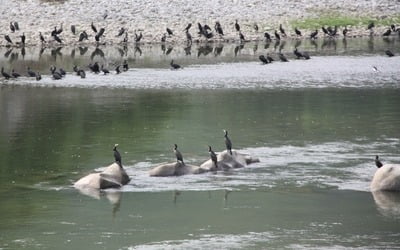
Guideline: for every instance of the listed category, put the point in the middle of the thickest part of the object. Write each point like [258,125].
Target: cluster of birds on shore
[178,154]
[203,31]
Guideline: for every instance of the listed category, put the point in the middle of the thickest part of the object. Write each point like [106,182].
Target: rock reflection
[114,197]
[388,203]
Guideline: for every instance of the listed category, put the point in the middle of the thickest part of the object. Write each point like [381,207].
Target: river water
[315,125]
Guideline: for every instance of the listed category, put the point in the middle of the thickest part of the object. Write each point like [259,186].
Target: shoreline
[152,18]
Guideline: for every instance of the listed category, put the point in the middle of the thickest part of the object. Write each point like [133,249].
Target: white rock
[386,178]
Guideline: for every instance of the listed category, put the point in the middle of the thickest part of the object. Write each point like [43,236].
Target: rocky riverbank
[151,18]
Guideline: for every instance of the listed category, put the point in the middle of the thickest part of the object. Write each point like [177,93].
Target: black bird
[59,31]
[16,26]
[118,70]
[23,39]
[8,39]
[117,155]
[306,55]
[105,70]
[125,65]
[314,34]
[282,30]
[73,29]
[188,27]
[41,38]
[75,69]
[62,71]
[393,27]
[213,156]
[164,38]
[12,28]
[138,37]
[93,28]
[387,32]
[178,154]
[206,27]
[389,53]
[269,58]
[237,26]
[263,59]
[121,32]
[83,36]
[283,57]
[174,65]
[298,32]
[255,26]
[201,29]
[297,53]
[188,37]
[378,163]
[267,37]
[15,74]
[57,39]
[169,31]
[125,38]
[228,142]
[345,31]
[6,75]
[38,76]
[101,32]
[277,36]
[82,73]
[56,76]
[54,31]
[95,67]
[31,73]
[241,37]
[370,26]
[325,30]
[218,28]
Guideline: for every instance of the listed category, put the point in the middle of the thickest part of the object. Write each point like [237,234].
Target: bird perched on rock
[213,156]
[174,65]
[117,155]
[178,155]
[228,142]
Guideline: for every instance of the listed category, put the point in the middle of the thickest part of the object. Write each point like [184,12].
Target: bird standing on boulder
[228,142]
[178,154]
[213,156]
[117,155]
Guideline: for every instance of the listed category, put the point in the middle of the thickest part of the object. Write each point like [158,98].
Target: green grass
[341,21]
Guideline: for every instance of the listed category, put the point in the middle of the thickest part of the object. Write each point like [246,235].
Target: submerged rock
[175,169]
[113,176]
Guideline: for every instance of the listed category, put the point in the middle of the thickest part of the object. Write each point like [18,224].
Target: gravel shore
[153,17]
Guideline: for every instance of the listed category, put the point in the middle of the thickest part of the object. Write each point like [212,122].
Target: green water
[51,137]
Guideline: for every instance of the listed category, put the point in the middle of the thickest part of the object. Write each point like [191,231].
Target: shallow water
[315,125]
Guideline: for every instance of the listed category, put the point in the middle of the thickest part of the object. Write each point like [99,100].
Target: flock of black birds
[203,31]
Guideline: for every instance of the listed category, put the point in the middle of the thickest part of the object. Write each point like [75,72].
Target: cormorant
[54,31]
[277,36]
[188,37]
[206,27]
[12,28]
[59,31]
[370,26]
[387,32]
[31,73]
[62,71]
[83,36]
[95,67]
[164,38]
[298,32]
[218,28]
[117,155]
[41,38]
[188,27]
[263,59]
[213,156]
[105,70]
[57,39]
[120,32]
[255,26]
[174,65]
[23,39]
[38,76]
[282,30]
[138,37]
[93,28]
[75,69]
[345,31]
[125,38]
[267,37]
[241,36]
[117,69]
[393,27]
[6,75]
[178,154]
[82,73]
[237,26]
[16,26]
[389,53]
[8,39]
[269,58]
[228,142]
[378,163]
[283,57]
[297,53]
[15,74]
[73,29]
[314,34]
[56,75]
[325,30]
[169,31]
[306,55]
[125,65]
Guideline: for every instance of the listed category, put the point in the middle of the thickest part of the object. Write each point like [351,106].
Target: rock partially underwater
[224,161]
[113,176]
[386,178]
